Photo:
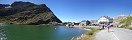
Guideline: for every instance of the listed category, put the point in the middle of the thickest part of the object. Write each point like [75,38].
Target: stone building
[84,23]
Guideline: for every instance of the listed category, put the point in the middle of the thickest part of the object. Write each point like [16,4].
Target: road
[114,34]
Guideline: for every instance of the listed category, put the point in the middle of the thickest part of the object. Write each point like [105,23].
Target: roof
[108,17]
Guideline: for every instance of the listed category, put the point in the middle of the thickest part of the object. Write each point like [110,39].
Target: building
[94,21]
[105,20]
[84,23]
[69,23]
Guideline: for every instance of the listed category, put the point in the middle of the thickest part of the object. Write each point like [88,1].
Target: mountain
[124,21]
[27,13]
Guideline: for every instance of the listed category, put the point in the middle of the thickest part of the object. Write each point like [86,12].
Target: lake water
[37,32]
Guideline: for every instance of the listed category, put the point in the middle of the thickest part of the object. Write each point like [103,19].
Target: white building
[84,23]
[94,21]
[105,19]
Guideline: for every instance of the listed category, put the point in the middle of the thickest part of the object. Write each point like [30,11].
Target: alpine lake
[41,32]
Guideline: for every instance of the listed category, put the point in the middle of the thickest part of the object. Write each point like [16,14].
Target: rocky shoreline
[2,33]
[87,35]
[79,37]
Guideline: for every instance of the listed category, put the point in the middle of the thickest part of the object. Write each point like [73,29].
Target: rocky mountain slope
[27,13]
[124,21]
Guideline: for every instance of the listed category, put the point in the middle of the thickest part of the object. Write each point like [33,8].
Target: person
[103,27]
[108,28]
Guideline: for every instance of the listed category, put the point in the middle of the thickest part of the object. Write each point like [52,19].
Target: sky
[78,10]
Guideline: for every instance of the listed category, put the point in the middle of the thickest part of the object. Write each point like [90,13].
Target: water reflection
[33,32]
[2,33]
[63,33]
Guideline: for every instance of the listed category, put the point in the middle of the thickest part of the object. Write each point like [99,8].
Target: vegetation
[27,13]
[126,22]
[90,34]
[93,30]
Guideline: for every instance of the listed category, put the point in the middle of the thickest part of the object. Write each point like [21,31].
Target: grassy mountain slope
[27,13]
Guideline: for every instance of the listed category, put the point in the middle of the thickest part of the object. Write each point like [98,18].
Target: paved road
[114,34]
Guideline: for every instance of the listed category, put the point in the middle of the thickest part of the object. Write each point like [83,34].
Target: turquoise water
[37,32]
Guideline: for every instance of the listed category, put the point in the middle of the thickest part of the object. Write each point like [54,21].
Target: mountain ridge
[27,13]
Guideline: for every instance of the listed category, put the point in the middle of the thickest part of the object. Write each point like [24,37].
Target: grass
[93,30]
[90,34]
[129,28]
[126,22]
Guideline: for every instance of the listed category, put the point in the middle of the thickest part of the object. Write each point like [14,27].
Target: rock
[28,13]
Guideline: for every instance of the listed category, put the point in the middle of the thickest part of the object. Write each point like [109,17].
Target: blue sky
[77,10]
